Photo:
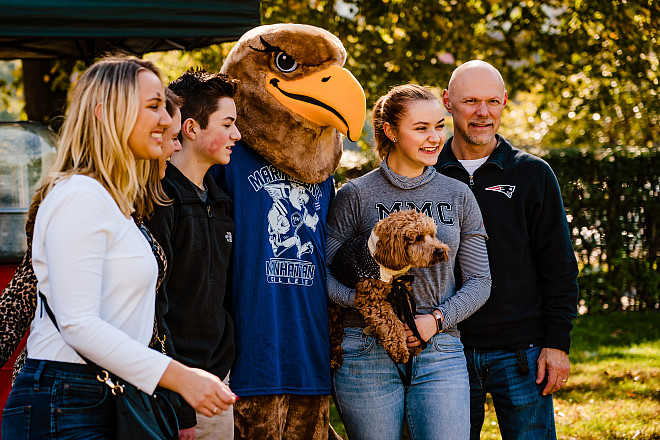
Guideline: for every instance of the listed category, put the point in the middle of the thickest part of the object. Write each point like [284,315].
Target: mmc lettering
[442,210]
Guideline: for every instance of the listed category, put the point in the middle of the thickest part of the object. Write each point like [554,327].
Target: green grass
[613,391]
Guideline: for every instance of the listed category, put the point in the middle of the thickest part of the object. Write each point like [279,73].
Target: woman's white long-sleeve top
[98,274]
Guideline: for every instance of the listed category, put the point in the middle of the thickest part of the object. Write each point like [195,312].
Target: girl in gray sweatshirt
[369,393]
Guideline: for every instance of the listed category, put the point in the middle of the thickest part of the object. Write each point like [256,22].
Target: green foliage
[580,74]
[10,94]
[612,392]
[355,163]
[335,420]
[588,69]
[611,332]
[613,206]
[173,63]
[583,72]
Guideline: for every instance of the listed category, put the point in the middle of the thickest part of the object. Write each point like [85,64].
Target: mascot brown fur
[300,136]
[293,105]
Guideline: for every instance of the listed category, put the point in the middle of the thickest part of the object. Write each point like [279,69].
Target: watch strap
[438,321]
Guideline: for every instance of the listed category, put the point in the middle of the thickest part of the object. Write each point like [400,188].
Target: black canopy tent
[83,29]
[68,30]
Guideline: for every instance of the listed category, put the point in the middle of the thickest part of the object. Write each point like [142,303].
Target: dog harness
[353,261]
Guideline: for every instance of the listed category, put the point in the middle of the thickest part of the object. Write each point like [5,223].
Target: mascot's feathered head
[295,98]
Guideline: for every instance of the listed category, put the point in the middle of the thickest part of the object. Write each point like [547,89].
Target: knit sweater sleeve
[338,292]
[341,226]
[473,259]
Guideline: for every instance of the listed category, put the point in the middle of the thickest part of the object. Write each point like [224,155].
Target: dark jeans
[523,413]
[58,400]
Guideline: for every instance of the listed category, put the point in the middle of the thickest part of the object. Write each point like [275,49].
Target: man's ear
[506,97]
[445,100]
[98,111]
[189,128]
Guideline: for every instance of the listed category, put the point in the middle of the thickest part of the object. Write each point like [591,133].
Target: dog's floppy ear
[390,247]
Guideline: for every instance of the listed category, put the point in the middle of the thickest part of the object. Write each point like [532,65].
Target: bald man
[517,344]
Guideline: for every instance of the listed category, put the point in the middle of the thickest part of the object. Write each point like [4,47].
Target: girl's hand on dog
[427,327]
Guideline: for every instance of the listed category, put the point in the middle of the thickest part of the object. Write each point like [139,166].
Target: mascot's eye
[285,62]
[420,238]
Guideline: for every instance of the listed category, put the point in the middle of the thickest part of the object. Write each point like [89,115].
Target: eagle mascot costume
[294,103]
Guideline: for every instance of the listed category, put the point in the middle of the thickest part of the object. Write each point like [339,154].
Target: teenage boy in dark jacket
[517,344]
[195,231]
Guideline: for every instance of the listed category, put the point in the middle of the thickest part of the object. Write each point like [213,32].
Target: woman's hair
[98,147]
[152,192]
[391,108]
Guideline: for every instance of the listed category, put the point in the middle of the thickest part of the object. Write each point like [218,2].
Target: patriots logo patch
[507,190]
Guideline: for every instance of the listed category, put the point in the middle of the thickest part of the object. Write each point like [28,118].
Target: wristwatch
[438,320]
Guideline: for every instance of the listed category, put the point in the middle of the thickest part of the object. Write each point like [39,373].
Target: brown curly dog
[373,264]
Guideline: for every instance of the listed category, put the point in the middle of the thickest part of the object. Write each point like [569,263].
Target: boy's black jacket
[197,239]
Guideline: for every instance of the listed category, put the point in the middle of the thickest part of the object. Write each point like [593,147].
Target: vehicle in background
[27,152]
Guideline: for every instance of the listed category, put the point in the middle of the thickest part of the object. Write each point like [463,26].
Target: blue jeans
[58,400]
[523,413]
[372,401]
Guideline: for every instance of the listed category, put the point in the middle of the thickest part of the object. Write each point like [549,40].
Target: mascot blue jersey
[278,279]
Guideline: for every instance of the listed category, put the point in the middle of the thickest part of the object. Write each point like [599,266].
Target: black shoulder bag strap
[140,416]
[51,315]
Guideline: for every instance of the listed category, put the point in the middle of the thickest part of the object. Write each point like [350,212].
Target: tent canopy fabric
[84,29]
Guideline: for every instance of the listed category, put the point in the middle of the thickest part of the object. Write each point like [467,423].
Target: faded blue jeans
[58,400]
[523,413]
[372,401]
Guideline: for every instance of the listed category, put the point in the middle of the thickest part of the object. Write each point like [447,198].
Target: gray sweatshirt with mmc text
[364,201]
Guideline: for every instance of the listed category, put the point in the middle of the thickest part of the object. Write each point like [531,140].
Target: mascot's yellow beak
[331,97]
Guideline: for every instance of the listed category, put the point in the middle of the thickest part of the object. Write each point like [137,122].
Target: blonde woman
[19,299]
[95,268]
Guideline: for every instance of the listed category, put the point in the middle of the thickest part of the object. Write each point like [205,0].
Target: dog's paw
[399,353]
[393,338]
[414,351]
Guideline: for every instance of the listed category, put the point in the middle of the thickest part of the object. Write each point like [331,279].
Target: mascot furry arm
[295,98]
